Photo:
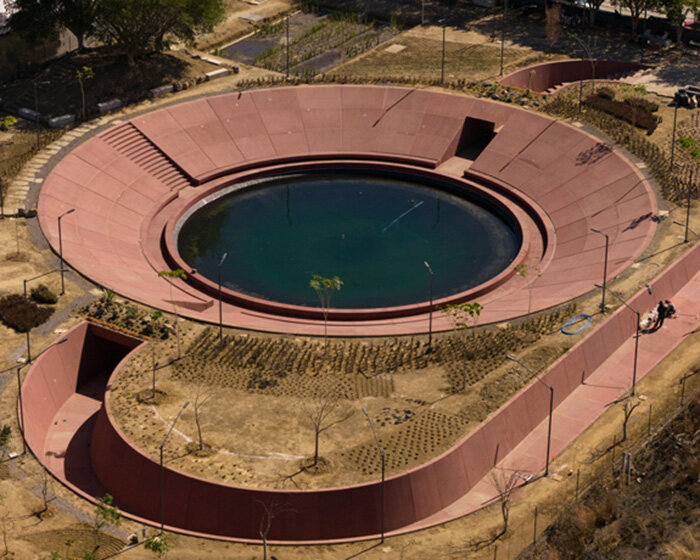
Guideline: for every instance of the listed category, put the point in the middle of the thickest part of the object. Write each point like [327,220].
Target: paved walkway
[585,404]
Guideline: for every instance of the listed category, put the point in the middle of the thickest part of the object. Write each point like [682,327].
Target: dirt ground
[234,27]
[469,55]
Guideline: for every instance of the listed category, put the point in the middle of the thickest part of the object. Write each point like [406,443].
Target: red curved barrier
[544,76]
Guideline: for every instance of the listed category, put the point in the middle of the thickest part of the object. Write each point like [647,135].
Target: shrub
[641,103]
[624,111]
[21,316]
[606,92]
[42,294]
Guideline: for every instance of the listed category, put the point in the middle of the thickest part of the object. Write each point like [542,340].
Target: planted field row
[351,37]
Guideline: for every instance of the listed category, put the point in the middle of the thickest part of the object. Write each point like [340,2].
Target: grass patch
[423,57]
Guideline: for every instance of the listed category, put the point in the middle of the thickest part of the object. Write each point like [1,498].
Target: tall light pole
[687,211]
[442,71]
[551,407]
[287,45]
[689,189]
[36,109]
[673,134]
[221,316]
[2,185]
[605,267]
[19,394]
[503,35]
[60,247]
[381,453]
[430,313]
[26,309]
[636,338]
[422,12]
[162,469]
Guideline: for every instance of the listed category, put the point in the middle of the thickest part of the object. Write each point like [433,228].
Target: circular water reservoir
[372,230]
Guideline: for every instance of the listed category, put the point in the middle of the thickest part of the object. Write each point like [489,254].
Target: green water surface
[373,231]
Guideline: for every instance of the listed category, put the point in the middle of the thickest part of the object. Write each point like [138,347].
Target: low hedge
[42,294]
[641,103]
[20,315]
[624,111]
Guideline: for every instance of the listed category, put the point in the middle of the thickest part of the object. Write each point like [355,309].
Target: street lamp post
[60,247]
[605,267]
[442,70]
[36,109]
[687,210]
[221,317]
[422,12]
[2,186]
[689,189]
[636,338]
[673,135]
[430,314]
[503,35]
[162,469]
[26,309]
[381,453]
[551,407]
[287,46]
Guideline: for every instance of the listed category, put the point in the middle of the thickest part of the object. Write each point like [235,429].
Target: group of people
[655,318]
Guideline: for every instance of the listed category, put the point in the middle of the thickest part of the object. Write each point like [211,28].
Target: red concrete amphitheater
[131,183]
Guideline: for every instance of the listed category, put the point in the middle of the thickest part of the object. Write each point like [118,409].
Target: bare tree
[627,411]
[270,511]
[505,483]
[592,51]
[201,398]
[323,413]
[45,479]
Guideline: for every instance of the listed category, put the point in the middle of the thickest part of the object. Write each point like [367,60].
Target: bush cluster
[606,93]
[639,117]
[42,294]
[20,315]
[641,103]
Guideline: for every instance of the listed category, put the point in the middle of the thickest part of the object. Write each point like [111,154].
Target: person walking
[670,309]
[661,310]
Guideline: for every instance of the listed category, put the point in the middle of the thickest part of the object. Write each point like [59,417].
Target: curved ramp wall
[202,506]
[199,506]
[89,352]
[547,75]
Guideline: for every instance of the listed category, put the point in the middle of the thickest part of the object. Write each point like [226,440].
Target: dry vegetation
[421,403]
[652,513]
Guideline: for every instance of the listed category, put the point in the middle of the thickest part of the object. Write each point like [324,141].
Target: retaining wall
[551,74]
[203,506]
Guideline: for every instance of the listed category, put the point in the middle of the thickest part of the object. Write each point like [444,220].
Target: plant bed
[42,294]
[22,315]
[637,116]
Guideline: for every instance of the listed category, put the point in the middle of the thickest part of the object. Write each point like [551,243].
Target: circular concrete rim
[508,303]
[512,210]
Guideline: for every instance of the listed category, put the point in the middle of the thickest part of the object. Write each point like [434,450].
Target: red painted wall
[551,74]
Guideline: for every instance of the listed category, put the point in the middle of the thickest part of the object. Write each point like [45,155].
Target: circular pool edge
[510,210]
